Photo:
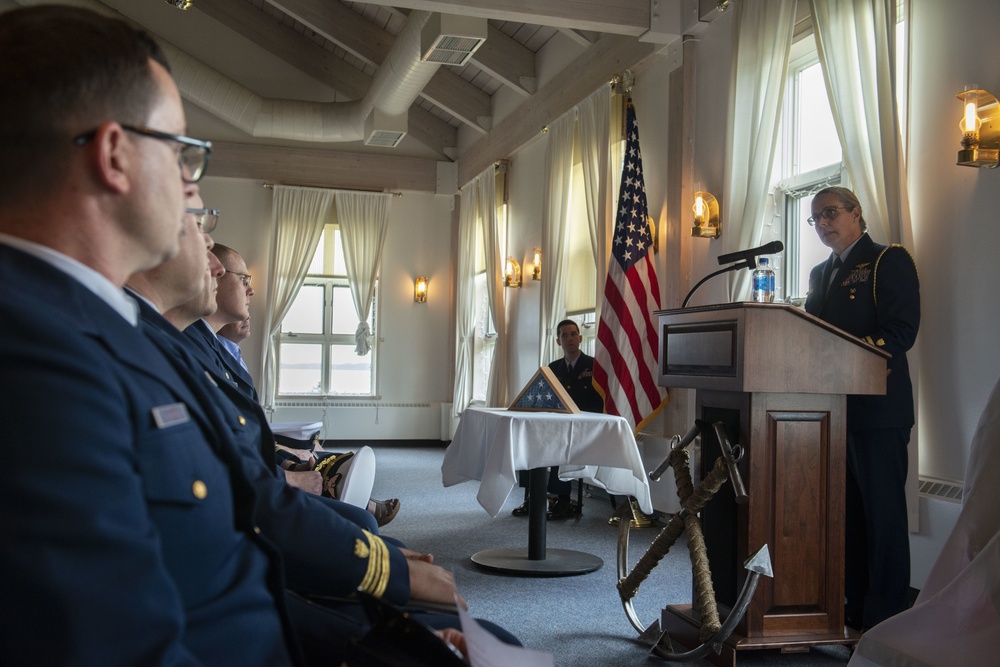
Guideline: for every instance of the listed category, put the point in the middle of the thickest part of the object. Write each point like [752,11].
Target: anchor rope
[691,500]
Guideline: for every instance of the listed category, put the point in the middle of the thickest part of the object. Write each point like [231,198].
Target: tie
[837,263]
[239,358]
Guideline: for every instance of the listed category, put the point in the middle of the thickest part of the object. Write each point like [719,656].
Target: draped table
[491,445]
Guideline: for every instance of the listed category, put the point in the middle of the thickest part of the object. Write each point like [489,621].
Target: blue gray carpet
[579,619]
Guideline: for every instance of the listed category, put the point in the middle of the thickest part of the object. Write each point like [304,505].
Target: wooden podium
[777,378]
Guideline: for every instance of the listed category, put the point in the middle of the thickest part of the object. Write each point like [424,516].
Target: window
[588,329]
[810,155]
[485,341]
[810,160]
[316,349]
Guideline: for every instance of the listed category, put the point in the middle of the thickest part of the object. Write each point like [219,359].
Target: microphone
[748,255]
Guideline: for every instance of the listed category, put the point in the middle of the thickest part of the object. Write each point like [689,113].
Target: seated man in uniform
[576,373]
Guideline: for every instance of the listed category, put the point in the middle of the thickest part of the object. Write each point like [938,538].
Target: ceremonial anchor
[712,632]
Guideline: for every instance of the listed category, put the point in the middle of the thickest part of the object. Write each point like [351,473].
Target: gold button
[199,489]
[242,420]
[256,529]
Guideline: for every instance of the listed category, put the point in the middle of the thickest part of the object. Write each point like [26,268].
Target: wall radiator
[940,504]
[365,420]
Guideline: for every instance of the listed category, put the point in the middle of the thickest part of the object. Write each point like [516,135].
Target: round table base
[557,562]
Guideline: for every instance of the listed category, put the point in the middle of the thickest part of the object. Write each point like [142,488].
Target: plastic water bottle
[763,282]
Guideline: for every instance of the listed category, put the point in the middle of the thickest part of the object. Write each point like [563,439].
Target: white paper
[484,650]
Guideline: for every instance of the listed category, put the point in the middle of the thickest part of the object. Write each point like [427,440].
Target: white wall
[956,235]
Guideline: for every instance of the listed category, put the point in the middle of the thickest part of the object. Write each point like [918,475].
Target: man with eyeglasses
[233,305]
[129,535]
[871,291]
[318,537]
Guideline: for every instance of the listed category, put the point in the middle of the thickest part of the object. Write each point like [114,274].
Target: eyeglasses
[192,158]
[828,213]
[206,218]
[245,278]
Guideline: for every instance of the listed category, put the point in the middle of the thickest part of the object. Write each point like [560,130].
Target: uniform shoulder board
[879,259]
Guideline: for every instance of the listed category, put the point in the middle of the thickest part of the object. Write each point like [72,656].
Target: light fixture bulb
[971,122]
[699,209]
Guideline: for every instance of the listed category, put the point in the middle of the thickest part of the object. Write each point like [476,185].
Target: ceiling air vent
[450,39]
[381,129]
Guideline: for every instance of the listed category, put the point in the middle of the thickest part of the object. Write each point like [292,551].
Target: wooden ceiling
[325,52]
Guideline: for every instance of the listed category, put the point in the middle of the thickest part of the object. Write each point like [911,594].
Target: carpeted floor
[579,619]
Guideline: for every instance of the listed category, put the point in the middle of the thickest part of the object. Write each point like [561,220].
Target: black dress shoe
[563,508]
[521,510]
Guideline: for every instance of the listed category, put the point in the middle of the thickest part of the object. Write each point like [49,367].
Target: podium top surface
[765,347]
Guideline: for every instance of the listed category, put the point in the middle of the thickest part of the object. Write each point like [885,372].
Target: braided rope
[693,501]
[703,588]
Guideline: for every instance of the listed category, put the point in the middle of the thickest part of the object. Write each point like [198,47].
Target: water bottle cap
[763,260]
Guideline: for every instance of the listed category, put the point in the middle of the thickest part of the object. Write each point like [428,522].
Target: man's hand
[453,637]
[309,481]
[430,583]
[416,555]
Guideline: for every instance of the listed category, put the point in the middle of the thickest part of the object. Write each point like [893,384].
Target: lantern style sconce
[536,271]
[512,273]
[420,289]
[980,127]
[706,216]
[180,4]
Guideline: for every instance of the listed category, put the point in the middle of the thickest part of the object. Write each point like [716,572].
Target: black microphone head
[772,248]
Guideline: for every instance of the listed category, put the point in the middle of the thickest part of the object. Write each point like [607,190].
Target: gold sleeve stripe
[376,579]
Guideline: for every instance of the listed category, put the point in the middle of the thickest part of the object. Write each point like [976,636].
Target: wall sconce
[980,127]
[420,289]
[512,273]
[706,216]
[180,4]
[536,271]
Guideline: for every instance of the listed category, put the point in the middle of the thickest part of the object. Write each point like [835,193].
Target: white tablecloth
[491,445]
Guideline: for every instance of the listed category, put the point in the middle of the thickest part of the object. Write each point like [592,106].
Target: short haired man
[233,305]
[318,545]
[575,370]
[129,543]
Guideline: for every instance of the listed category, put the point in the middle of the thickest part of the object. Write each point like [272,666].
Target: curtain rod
[270,186]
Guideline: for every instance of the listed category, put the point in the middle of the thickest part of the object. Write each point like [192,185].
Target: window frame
[327,339]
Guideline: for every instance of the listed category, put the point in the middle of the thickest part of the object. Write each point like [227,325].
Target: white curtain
[494,242]
[763,40]
[465,296]
[555,214]
[856,44]
[297,217]
[364,221]
[594,131]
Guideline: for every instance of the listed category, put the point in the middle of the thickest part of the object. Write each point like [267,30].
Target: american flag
[625,367]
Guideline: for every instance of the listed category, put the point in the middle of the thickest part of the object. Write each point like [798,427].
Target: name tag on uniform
[173,414]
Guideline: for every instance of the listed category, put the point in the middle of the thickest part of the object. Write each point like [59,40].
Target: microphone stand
[748,263]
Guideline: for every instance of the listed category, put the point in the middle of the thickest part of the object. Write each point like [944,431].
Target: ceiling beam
[287,44]
[317,62]
[342,25]
[508,61]
[367,41]
[432,132]
[620,17]
[464,101]
[322,168]
[610,55]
